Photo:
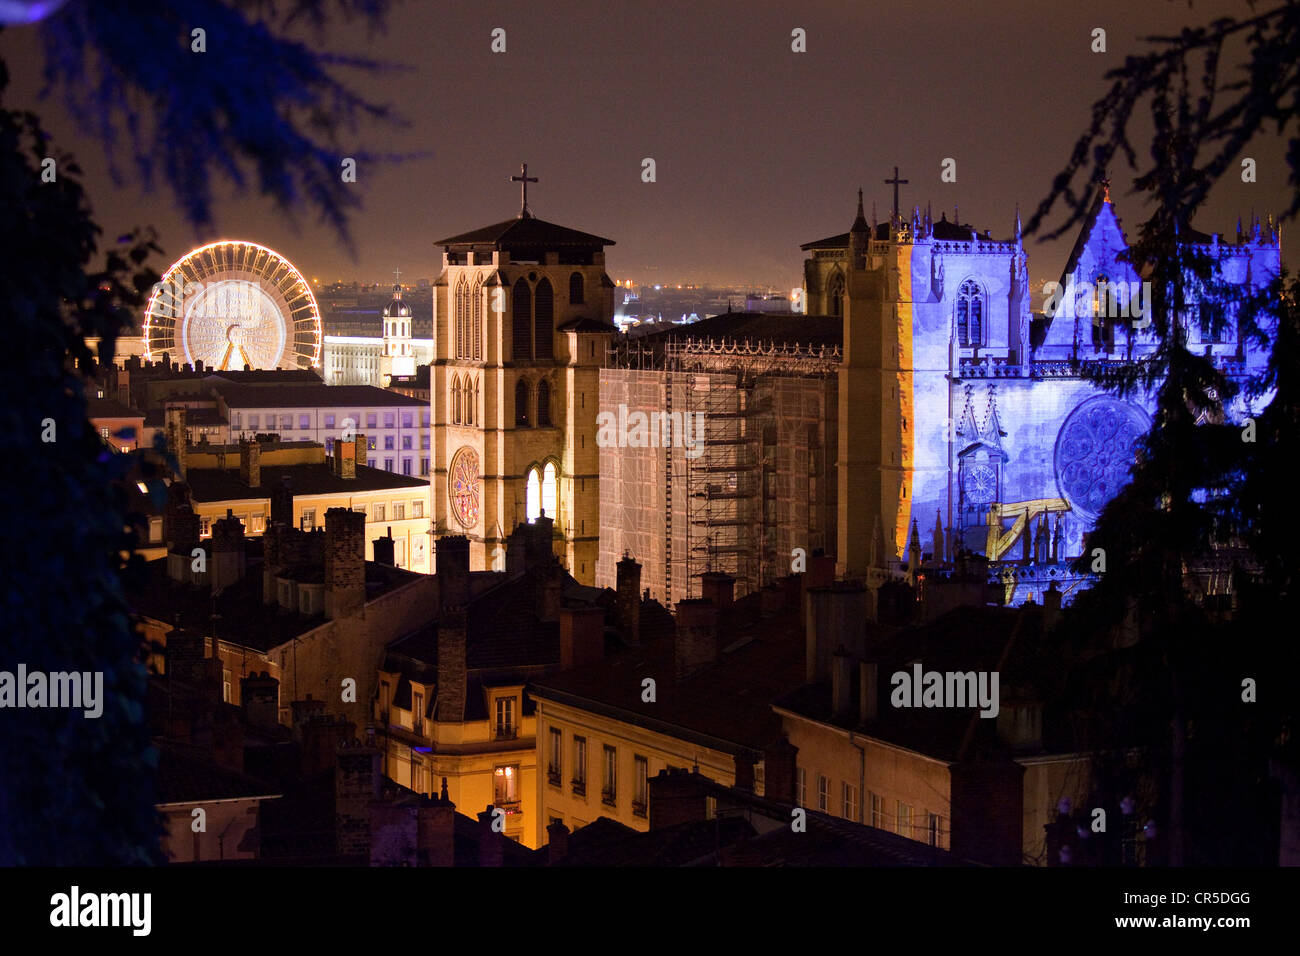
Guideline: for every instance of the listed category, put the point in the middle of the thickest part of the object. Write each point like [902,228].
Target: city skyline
[775,162]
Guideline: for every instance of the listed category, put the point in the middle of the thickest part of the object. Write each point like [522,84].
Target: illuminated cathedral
[965,421]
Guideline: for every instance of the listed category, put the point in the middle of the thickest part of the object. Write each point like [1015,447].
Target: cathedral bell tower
[875,397]
[523,311]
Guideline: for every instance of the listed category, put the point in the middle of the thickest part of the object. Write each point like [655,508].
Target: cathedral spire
[860,223]
[1017,223]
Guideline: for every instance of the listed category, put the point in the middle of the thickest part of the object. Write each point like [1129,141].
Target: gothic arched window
[461,346]
[455,399]
[472,398]
[835,295]
[532,496]
[970,314]
[477,336]
[521,404]
[544,403]
[549,489]
[577,289]
[523,315]
[544,307]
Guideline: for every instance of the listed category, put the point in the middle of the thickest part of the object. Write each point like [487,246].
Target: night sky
[758,149]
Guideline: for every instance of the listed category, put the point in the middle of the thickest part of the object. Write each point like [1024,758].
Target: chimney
[696,643]
[821,571]
[1020,721]
[259,698]
[452,571]
[541,535]
[228,554]
[676,796]
[841,683]
[557,842]
[718,587]
[772,599]
[344,462]
[282,503]
[250,462]
[779,763]
[345,563]
[185,529]
[177,435]
[321,740]
[549,593]
[833,616]
[304,712]
[361,454]
[869,691]
[491,851]
[451,665]
[357,780]
[435,837]
[627,603]
[185,656]
[517,551]
[582,635]
[1051,606]
[744,772]
[385,549]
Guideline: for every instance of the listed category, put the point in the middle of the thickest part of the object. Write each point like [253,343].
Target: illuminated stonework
[1094,451]
[463,488]
[231,305]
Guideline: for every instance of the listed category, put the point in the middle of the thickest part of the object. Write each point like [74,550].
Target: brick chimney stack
[177,435]
[696,643]
[345,563]
[491,851]
[360,452]
[718,587]
[779,764]
[282,503]
[259,698]
[557,842]
[229,559]
[627,604]
[549,593]
[385,549]
[343,464]
[452,571]
[451,665]
[357,781]
[250,462]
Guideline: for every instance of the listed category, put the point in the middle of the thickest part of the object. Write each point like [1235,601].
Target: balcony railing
[553,777]
[607,798]
[579,787]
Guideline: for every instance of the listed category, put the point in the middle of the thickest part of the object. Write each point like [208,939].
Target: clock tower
[522,316]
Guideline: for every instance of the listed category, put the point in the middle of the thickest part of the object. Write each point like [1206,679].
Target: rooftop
[525,231]
[224,484]
[315,395]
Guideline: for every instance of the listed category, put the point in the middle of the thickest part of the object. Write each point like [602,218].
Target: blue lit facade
[987,437]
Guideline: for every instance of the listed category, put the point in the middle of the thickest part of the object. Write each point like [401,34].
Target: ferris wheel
[234,304]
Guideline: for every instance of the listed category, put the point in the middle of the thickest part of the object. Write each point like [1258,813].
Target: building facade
[522,317]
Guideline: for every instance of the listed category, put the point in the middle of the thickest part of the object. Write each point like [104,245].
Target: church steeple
[860,223]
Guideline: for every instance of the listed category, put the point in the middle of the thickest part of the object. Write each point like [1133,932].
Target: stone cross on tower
[523,179]
[397,276]
[896,182]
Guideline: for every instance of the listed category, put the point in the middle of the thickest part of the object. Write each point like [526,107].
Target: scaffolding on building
[740,497]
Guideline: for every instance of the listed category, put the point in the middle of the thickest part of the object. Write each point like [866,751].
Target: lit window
[417,509]
[308,521]
[506,786]
[533,496]
[548,490]
[399,512]
[379,512]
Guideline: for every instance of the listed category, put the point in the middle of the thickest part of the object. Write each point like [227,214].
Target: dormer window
[506,729]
